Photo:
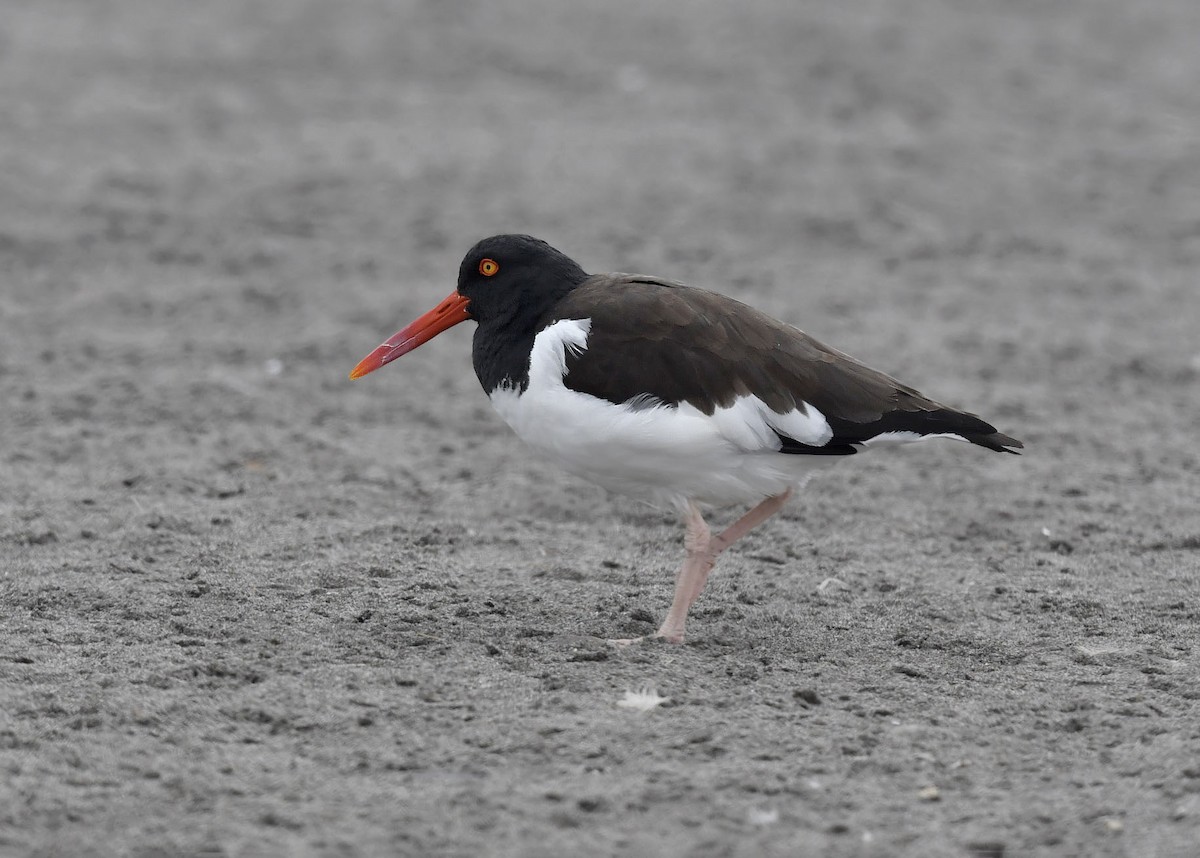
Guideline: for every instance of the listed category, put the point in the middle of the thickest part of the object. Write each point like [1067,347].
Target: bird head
[501,279]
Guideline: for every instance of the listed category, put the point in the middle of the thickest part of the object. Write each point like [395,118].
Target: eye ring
[489,267]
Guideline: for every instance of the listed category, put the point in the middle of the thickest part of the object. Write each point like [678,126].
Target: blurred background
[209,212]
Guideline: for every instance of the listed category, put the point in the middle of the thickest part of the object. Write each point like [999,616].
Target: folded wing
[653,341]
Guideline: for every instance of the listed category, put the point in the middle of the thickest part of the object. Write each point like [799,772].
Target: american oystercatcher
[670,394]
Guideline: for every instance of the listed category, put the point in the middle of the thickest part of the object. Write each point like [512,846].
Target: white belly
[663,454]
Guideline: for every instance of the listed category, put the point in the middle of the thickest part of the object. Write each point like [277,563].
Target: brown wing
[659,339]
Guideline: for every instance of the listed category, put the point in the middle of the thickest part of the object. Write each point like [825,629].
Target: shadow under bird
[670,394]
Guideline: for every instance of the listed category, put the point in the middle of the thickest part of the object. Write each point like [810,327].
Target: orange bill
[445,315]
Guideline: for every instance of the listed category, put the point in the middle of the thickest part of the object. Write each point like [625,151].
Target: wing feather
[660,339]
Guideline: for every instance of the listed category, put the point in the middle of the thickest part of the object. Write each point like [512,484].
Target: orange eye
[488,267]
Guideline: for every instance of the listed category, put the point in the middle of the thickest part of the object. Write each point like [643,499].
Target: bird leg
[690,578]
[703,549]
[692,575]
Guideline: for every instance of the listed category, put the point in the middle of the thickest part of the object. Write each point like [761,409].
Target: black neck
[502,344]
[501,356]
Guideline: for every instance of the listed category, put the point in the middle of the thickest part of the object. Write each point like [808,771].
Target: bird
[674,395]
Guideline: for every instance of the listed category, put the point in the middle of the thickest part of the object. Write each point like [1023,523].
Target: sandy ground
[248,607]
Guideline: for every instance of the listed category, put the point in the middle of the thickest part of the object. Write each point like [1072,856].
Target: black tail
[935,421]
[996,441]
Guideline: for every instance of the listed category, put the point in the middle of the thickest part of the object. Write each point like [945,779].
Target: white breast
[664,454]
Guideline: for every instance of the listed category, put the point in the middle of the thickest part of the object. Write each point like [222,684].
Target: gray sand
[249,607]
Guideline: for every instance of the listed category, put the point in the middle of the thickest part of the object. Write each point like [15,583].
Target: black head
[506,283]
[510,276]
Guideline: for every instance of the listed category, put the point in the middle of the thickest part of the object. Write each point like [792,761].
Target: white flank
[664,454]
[643,700]
[751,425]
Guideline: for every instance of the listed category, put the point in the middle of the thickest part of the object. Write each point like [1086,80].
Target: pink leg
[702,551]
[692,575]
